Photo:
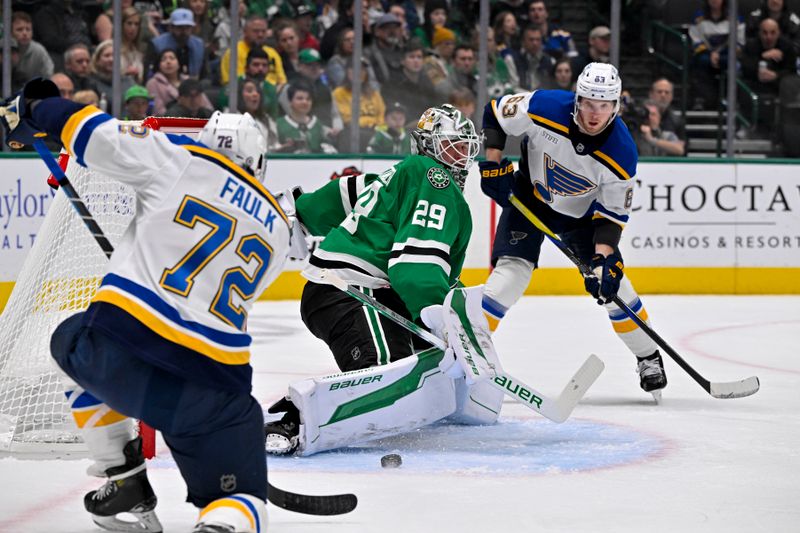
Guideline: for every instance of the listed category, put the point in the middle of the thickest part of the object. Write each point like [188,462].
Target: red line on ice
[688,343]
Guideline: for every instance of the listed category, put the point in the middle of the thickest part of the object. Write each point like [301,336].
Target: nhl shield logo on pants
[227,482]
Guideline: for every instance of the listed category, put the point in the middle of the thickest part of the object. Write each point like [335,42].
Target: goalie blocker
[385,400]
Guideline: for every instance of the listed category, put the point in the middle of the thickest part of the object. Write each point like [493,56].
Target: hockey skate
[213,528]
[126,491]
[281,436]
[651,375]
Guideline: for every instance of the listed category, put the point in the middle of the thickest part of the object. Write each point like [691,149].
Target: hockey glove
[468,334]
[604,284]
[15,113]
[433,317]
[298,245]
[497,180]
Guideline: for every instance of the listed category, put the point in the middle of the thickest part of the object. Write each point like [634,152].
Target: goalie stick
[299,503]
[723,390]
[557,410]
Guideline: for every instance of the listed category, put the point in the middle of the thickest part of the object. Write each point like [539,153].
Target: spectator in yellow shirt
[371,109]
[254,34]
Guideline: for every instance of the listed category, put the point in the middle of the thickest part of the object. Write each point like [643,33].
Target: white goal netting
[59,278]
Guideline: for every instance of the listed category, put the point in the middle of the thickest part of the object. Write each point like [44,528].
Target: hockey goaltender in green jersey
[400,236]
[408,228]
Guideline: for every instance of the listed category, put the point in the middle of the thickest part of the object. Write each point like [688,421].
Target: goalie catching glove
[604,285]
[461,323]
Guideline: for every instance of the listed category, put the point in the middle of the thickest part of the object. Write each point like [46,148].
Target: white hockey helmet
[598,81]
[238,138]
[449,137]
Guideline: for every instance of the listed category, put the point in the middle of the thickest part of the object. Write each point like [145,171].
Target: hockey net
[59,277]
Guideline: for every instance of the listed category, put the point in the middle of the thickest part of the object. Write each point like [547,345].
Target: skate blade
[146,521]
[656,396]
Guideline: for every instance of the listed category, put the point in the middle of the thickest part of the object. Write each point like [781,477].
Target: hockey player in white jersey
[165,337]
[576,174]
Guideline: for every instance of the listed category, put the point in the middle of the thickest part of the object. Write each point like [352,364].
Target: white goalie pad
[477,404]
[468,334]
[352,407]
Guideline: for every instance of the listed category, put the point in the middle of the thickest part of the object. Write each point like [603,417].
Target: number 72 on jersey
[180,278]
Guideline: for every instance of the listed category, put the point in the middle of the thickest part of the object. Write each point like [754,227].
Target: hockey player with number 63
[401,237]
[165,337]
[576,175]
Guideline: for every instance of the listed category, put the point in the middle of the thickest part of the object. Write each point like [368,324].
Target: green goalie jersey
[407,228]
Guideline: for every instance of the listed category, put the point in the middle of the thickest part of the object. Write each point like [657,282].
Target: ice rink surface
[620,464]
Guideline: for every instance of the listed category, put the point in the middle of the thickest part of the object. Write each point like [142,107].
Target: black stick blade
[333,504]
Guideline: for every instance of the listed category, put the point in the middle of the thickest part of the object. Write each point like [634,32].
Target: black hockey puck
[391,460]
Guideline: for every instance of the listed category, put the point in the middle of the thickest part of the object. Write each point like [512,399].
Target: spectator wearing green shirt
[300,132]
[392,137]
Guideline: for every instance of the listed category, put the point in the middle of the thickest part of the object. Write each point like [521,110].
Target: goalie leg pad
[634,338]
[477,404]
[362,405]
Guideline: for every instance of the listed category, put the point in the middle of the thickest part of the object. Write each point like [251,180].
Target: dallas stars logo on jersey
[561,181]
[438,177]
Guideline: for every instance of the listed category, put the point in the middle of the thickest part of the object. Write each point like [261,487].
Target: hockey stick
[333,504]
[299,503]
[74,198]
[728,389]
[557,410]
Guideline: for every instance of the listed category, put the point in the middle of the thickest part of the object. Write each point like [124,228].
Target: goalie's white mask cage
[59,278]
[449,137]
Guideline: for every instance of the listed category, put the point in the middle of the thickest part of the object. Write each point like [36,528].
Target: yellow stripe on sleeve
[599,215]
[547,121]
[613,163]
[239,172]
[72,124]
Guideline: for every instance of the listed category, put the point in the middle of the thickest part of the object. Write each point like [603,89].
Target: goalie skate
[281,436]
[126,491]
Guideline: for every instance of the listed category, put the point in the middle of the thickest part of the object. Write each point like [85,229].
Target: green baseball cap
[137,91]
[309,55]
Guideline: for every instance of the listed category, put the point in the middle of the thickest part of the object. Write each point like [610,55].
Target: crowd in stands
[295,62]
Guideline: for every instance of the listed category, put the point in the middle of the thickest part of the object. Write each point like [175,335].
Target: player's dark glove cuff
[497,180]
[17,119]
[604,284]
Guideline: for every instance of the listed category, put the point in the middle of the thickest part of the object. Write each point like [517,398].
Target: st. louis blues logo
[561,181]
[516,236]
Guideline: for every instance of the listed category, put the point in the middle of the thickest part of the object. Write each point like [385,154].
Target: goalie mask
[449,137]
[238,138]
